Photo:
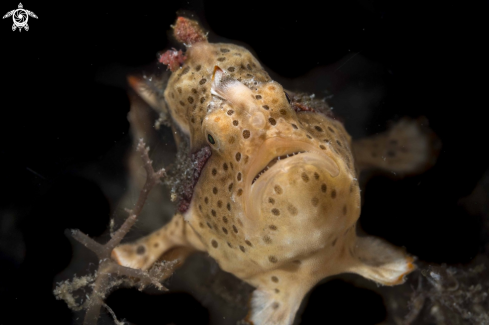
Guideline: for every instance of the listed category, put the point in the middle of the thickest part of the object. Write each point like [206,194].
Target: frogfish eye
[211,139]
[287,96]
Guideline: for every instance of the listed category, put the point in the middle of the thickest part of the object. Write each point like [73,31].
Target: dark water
[65,136]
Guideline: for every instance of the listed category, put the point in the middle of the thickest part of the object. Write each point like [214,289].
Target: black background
[64,106]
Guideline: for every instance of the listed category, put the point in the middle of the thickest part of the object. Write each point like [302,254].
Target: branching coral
[109,273]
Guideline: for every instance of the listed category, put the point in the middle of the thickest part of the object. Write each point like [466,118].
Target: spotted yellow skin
[285,230]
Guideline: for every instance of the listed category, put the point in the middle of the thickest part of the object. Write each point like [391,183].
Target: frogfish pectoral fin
[380,261]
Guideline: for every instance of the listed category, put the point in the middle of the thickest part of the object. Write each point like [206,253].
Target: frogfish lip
[277,155]
[265,165]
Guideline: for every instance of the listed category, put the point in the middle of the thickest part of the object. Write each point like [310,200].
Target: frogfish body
[276,198]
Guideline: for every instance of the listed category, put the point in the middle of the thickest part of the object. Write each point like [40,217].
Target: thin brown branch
[88,243]
[103,282]
[152,177]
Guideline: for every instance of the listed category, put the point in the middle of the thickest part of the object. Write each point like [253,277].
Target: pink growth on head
[173,59]
[188,31]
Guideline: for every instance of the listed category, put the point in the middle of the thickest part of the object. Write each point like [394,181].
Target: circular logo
[20,17]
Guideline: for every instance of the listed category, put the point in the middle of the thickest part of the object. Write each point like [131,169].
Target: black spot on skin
[213,213]
[330,129]
[246,134]
[258,97]
[206,200]
[231,69]
[318,128]
[333,194]
[225,230]
[225,219]
[272,227]
[230,245]
[315,201]
[224,50]
[338,142]
[202,81]
[316,176]
[230,187]
[248,243]
[190,99]
[278,189]
[242,248]
[240,192]
[267,239]
[294,126]
[322,147]
[214,243]
[277,290]
[274,279]
[276,212]
[271,200]
[209,225]
[197,68]
[221,59]
[272,259]
[219,204]
[214,172]
[334,242]
[304,177]
[239,177]
[230,112]
[235,229]
[214,190]
[238,156]
[292,210]
[266,107]
[201,225]
[272,121]
[235,123]
[228,206]
[140,250]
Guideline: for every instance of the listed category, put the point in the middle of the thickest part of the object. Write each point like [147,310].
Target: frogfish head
[282,169]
